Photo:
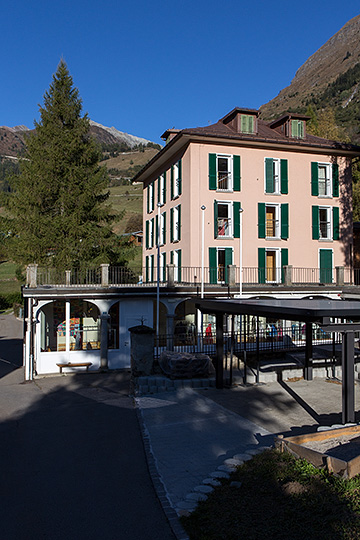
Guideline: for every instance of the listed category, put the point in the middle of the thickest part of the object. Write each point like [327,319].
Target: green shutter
[315,223]
[180,177]
[147,235]
[159,190]
[212,171]
[215,219]
[314,179]
[147,269]
[335,179]
[284,221]
[325,265]
[213,265]
[284,176]
[228,261]
[244,123]
[164,223]
[237,176]
[251,124]
[164,188]
[156,230]
[153,197]
[261,265]
[171,224]
[236,219]
[269,176]
[148,199]
[179,222]
[179,264]
[171,257]
[336,231]
[172,182]
[261,220]
[284,262]
[153,232]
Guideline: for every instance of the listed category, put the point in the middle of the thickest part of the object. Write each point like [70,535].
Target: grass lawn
[279,498]
[8,282]
[128,198]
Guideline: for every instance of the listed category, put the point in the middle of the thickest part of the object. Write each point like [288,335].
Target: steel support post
[348,379]
[308,375]
[219,367]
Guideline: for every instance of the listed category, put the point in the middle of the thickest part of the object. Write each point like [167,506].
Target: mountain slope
[329,78]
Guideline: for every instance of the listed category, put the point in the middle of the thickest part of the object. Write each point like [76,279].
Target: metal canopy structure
[318,311]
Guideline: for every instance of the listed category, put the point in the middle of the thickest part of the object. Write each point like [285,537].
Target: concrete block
[153,389]
[178,383]
[219,474]
[196,497]
[211,482]
[203,489]
[144,389]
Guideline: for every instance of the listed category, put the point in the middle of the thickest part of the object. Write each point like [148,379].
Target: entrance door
[325,259]
[271,265]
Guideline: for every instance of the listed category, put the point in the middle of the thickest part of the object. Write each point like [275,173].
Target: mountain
[330,78]
[12,140]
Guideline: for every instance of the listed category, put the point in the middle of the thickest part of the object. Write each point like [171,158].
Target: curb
[159,487]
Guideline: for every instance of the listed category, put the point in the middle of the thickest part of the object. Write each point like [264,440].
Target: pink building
[285,192]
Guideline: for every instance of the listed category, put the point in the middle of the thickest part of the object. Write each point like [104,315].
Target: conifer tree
[58,205]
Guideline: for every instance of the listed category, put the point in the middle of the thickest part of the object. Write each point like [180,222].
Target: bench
[75,364]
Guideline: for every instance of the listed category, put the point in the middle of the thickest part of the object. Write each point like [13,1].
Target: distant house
[135,237]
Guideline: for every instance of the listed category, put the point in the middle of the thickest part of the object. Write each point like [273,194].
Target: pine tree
[60,215]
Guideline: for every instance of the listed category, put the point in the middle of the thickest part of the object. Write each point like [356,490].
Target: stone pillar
[231,275]
[288,275]
[67,277]
[340,276]
[104,317]
[104,275]
[142,349]
[170,275]
[31,276]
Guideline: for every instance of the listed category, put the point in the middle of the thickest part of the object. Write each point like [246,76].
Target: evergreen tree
[58,205]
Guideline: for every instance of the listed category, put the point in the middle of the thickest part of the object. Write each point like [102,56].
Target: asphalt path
[72,460]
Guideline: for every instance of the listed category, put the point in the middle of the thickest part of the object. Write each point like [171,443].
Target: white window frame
[162,261]
[151,197]
[151,233]
[277,265]
[230,172]
[161,180]
[176,224]
[277,176]
[328,180]
[230,228]
[176,264]
[162,230]
[277,222]
[176,180]
[329,225]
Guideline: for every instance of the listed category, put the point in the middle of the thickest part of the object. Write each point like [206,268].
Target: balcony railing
[172,275]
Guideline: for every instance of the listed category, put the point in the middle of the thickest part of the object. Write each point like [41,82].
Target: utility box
[142,349]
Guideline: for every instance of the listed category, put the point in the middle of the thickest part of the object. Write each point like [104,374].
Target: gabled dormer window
[297,129]
[247,123]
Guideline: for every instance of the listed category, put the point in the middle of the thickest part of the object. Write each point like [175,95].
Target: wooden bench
[75,364]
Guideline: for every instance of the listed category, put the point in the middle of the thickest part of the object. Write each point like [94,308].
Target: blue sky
[147,66]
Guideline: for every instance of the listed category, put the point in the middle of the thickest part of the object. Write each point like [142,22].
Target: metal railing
[192,276]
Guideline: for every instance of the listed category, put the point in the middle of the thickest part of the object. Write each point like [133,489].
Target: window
[219,260]
[162,188]
[325,223]
[247,123]
[163,267]
[150,239]
[271,264]
[175,259]
[273,221]
[149,268]
[176,182]
[150,198]
[276,175]
[226,219]
[224,172]
[162,230]
[324,179]
[297,128]
[175,223]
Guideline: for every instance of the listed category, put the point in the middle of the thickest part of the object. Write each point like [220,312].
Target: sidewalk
[192,434]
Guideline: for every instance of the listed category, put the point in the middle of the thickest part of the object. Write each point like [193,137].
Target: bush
[10,300]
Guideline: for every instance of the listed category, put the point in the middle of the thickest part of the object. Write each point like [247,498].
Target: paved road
[72,459]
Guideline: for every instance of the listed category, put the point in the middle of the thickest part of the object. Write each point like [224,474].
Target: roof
[266,134]
[297,310]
